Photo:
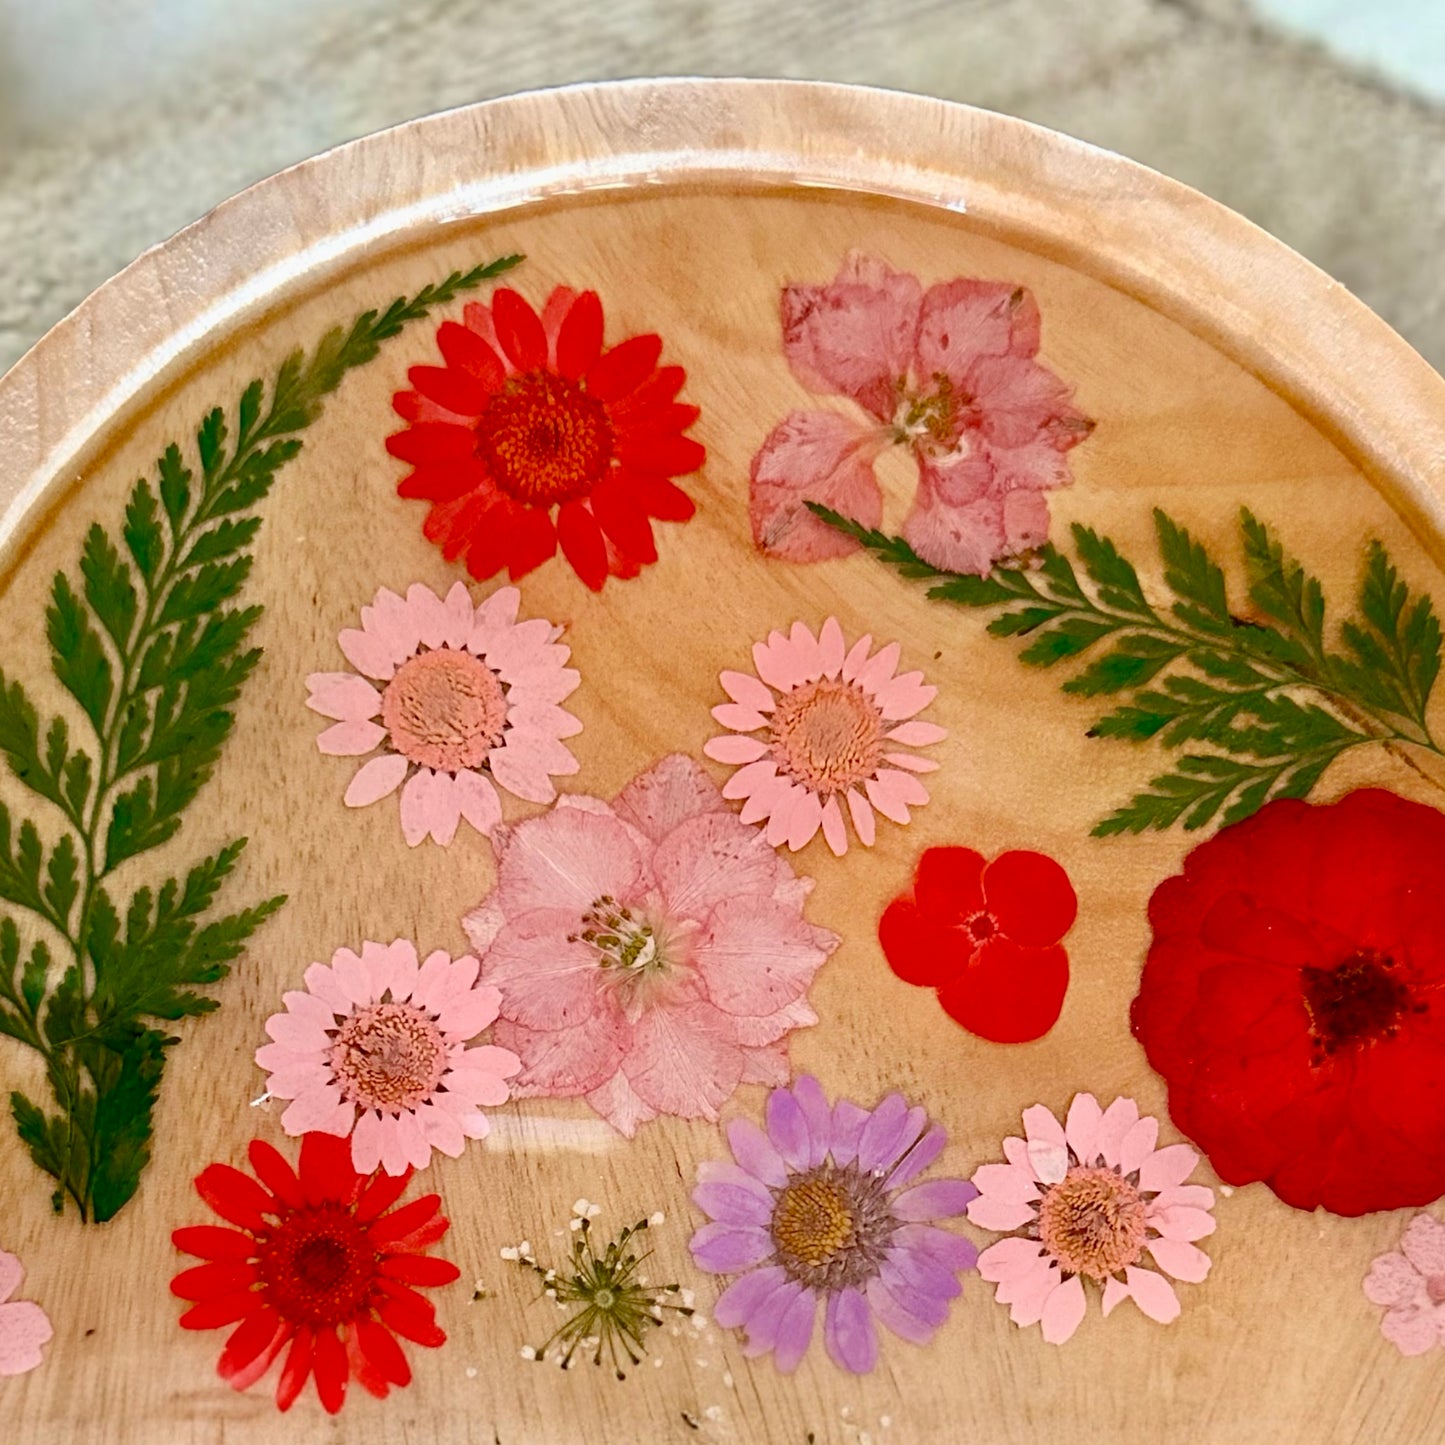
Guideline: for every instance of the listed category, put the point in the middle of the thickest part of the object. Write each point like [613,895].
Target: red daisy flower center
[444,709]
[1359,1001]
[828,735]
[318,1267]
[1092,1222]
[390,1056]
[544,439]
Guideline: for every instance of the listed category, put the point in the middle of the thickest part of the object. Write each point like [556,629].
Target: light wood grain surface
[1221,370]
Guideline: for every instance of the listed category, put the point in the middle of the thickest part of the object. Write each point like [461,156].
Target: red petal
[455,525]
[236,1197]
[226,1309]
[533,540]
[624,368]
[919,948]
[656,391]
[519,330]
[463,349]
[379,1346]
[667,420]
[401,1222]
[362,1370]
[445,481]
[1030,897]
[275,1173]
[210,1241]
[660,499]
[411,1316]
[622,519]
[579,342]
[296,1369]
[406,404]
[329,1363]
[327,1175]
[422,1269]
[420,1239]
[581,541]
[432,441]
[490,538]
[667,456]
[1010,994]
[210,1281]
[948,883]
[451,389]
[249,1340]
[380,1194]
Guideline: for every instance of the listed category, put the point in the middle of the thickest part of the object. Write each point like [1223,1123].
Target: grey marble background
[122,120]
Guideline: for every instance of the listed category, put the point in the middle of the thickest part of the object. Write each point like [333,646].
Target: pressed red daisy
[533,434]
[1294,1001]
[987,936]
[319,1267]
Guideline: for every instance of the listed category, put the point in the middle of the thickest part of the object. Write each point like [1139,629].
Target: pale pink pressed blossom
[376,1047]
[24,1326]
[651,953]
[1090,1197]
[469,702]
[1410,1283]
[950,374]
[821,726]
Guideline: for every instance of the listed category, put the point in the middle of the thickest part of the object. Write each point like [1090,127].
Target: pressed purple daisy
[820,1207]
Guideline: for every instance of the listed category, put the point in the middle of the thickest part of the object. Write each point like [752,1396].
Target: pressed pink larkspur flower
[376,1047]
[1089,1198]
[821,726]
[1410,1283]
[24,1326]
[468,702]
[651,953]
[950,374]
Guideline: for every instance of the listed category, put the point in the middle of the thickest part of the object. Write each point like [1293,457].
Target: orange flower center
[1092,1222]
[390,1056]
[812,1222]
[544,440]
[318,1267]
[1359,1001]
[827,735]
[444,709]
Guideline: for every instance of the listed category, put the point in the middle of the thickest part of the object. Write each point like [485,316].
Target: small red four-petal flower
[319,1265]
[987,937]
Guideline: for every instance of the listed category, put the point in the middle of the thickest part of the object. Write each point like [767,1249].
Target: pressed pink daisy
[376,1047]
[1410,1282]
[822,725]
[469,702]
[1089,1198]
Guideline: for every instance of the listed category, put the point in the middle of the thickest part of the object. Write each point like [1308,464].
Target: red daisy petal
[621,517]
[297,1368]
[920,949]
[412,1317]
[248,1342]
[329,1364]
[453,526]
[623,369]
[210,1241]
[1010,994]
[667,456]
[420,1239]
[661,499]
[432,441]
[379,1346]
[451,388]
[423,1269]
[659,389]
[579,341]
[406,404]
[464,350]
[490,541]
[532,540]
[362,1370]
[948,885]
[210,1281]
[380,1194]
[519,330]
[275,1173]
[236,1197]
[401,1222]
[1030,897]
[669,420]
[211,1314]
[327,1175]
[445,481]
[581,542]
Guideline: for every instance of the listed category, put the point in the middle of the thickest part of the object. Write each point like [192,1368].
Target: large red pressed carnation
[319,1265]
[532,434]
[1294,1001]
[987,936]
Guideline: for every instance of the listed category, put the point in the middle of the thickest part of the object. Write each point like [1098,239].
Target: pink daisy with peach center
[821,727]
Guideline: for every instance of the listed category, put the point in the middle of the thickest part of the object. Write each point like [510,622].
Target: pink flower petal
[342,695]
[739,719]
[747,691]
[805,649]
[875,674]
[904,696]
[709,859]
[776,663]
[322,982]
[1063,1311]
[965,319]
[1413,1331]
[892,792]
[24,1326]
[1115,1293]
[1152,1293]
[549,978]
[566,860]
[862,815]
[1008,1259]
[1028,1294]
[1047,1142]
[731,748]
[911,762]
[1181,1222]
[478,801]
[320,1110]
[563,1063]
[804,821]
[1423,1244]
[780,822]
[666,795]
[857,658]
[375,779]
[441,1131]
[747,780]
[682,1060]
[522,774]
[428,614]
[350,739]
[1119,1118]
[1393,1280]
[966,536]
[465,1017]
[1138,1144]
[833,830]
[428,805]
[352,976]
[767,796]
[917,734]
[1168,1166]
[1194,1196]
[1082,1126]
[1006,1183]
[757,955]
[998,1214]
[1179,1259]
[461,616]
[368,654]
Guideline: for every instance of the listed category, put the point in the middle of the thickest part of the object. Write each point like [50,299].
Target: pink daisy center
[390,1056]
[444,709]
[827,735]
[544,439]
[1092,1222]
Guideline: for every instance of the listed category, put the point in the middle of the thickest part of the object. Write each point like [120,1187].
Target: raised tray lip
[1192,259]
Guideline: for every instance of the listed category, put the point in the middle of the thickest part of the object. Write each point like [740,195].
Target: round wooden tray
[1147,347]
